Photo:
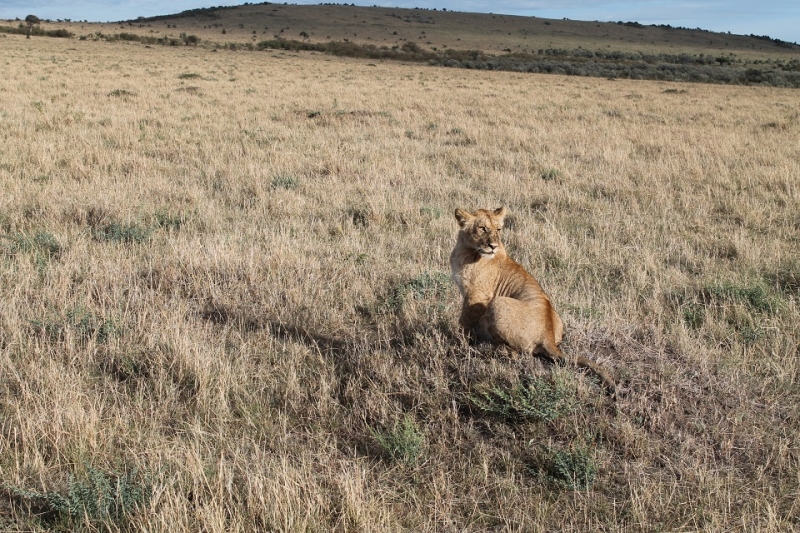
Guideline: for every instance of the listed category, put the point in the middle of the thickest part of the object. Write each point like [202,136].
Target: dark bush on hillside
[36,30]
[578,62]
[124,36]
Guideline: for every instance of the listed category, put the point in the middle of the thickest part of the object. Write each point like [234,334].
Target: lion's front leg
[471,314]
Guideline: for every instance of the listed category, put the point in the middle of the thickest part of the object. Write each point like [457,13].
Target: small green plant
[786,276]
[122,233]
[694,315]
[85,325]
[284,182]
[427,285]
[122,93]
[40,243]
[550,174]
[433,213]
[358,216]
[189,76]
[170,221]
[749,333]
[404,443]
[539,399]
[573,468]
[755,296]
[93,498]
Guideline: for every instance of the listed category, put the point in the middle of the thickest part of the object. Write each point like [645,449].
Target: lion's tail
[555,353]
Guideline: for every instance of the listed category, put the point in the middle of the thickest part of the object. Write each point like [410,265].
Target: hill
[468,40]
[433,29]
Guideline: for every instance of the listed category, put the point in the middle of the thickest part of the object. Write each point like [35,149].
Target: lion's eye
[483,229]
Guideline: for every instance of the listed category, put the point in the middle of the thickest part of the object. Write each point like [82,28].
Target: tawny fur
[503,304]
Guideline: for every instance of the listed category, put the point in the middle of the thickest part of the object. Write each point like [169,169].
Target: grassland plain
[224,302]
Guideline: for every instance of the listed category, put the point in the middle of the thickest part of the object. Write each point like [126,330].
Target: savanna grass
[241,337]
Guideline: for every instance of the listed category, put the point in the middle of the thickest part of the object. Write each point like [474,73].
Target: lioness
[503,304]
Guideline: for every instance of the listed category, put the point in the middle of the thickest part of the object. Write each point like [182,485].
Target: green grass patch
[694,315]
[573,468]
[404,443]
[785,277]
[121,93]
[539,399]
[360,217]
[755,296]
[170,221]
[284,182]
[41,245]
[40,242]
[430,212]
[123,233]
[740,307]
[81,322]
[94,499]
[550,174]
[425,286]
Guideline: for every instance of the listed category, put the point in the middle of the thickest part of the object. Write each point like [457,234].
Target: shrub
[359,217]
[122,93]
[40,243]
[786,277]
[169,221]
[121,233]
[39,32]
[539,399]
[284,182]
[550,174]
[125,36]
[694,315]
[404,443]
[573,468]
[85,325]
[93,499]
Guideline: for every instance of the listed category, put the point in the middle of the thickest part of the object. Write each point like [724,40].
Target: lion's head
[481,229]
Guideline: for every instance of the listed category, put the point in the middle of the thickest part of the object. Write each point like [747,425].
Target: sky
[778,19]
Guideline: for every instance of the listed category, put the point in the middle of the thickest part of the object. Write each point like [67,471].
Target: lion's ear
[462,217]
[500,213]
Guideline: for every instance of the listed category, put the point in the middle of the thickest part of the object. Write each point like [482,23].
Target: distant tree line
[30,29]
[608,64]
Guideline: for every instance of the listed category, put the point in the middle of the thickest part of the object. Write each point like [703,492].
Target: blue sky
[776,18]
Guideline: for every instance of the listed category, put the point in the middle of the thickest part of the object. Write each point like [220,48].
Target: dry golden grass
[225,275]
